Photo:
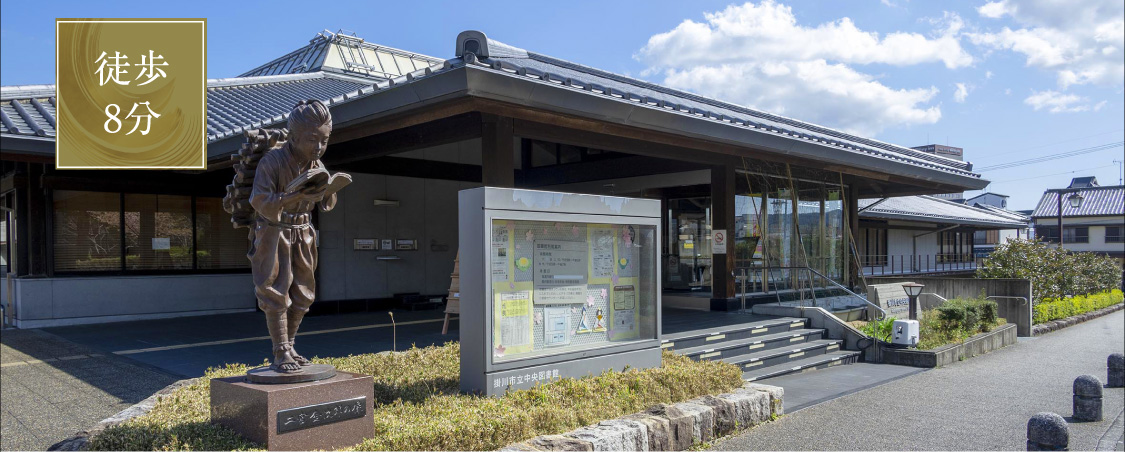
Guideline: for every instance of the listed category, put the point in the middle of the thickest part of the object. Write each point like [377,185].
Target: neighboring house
[925,234]
[985,241]
[1097,224]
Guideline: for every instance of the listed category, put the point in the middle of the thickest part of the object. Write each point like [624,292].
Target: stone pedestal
[325,414]
[1087,399]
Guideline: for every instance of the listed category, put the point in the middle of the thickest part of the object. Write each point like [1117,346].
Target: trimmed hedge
[418,406]
[1047,310]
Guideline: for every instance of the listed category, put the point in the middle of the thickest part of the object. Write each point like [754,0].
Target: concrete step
[784,355]
[703,337]
[728,348]
[836,358]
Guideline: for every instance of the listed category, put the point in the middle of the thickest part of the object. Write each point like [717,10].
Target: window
[87,231]
[158,232]
[1113,234]
[1048,234]
[1080,234]
[135,232]
[955,246]
[218,245]
[873,247]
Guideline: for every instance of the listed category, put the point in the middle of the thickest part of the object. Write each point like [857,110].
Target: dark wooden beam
[723,218]
[612,168]
[158,182]
[435,133]
[37,234]
[408,167]
[497,151]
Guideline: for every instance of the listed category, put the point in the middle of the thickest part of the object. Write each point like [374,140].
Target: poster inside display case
[567,285]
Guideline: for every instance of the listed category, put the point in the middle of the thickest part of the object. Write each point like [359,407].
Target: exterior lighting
[913,290]
[1075,200]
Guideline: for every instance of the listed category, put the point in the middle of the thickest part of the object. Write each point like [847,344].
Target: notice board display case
[556,285]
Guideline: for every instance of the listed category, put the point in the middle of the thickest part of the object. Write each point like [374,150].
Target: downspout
[914,246]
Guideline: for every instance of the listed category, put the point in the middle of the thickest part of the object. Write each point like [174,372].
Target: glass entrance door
[687,251]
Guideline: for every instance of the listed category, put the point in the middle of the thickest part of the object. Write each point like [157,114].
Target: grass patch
[418,407]
[1054,308]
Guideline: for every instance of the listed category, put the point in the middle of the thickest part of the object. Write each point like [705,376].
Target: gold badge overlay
[131,93]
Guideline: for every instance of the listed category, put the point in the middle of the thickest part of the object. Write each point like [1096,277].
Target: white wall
[43,302]
[1097,232]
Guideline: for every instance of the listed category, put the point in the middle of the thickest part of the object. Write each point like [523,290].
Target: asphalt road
[982,403]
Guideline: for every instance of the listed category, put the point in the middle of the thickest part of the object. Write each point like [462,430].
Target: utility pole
[1120,171]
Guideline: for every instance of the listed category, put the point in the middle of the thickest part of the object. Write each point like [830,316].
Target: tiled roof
[238,102]
[232,104]
[630,89]
[1096,201]
[933,209]
[341,53]
[28,110]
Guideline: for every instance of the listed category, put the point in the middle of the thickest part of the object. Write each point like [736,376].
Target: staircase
[763,348]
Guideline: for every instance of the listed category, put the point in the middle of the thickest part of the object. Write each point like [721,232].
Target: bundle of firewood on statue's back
[237,201]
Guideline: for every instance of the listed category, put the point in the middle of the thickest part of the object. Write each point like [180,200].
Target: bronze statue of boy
[283,255]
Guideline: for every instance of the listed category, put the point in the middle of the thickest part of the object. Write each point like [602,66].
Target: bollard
[1115,371]
[1087,398]
[1047,431]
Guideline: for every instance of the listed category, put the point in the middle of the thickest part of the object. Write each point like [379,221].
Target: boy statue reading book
[290,181]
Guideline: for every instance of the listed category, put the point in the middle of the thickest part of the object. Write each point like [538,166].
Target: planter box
[980,344]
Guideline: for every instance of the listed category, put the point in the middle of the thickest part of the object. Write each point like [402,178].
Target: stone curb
[1054,325]
[670,427]
[79,440]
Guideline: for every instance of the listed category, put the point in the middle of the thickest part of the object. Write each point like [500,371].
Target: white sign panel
[719,241]
[161,243]
[560,272]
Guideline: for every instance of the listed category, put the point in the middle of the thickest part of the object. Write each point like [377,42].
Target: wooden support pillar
[852,201]
[36,221]
[723,295]
[497,152]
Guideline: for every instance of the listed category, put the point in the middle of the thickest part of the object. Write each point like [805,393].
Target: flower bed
[1053,308]
[418,406]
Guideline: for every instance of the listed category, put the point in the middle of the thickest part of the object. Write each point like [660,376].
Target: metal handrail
[882,314]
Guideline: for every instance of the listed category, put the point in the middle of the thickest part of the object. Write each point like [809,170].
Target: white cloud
[1082,42]
[1057,102]
[769,31]
[758,55]
[987,75]
[961,93]
[1008,92]
[994,10]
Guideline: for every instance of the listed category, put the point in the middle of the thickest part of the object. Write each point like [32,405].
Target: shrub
[1047,310]
[880,329]
[957,320]
[418,406]
[1054,272]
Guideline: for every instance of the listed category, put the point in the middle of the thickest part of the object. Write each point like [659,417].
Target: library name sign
[556,285]
[131,93]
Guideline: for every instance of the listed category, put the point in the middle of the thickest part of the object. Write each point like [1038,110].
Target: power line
[1046,158]
[1025,149]
[1052,174]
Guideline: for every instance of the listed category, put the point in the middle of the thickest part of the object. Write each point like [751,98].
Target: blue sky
[1007,81]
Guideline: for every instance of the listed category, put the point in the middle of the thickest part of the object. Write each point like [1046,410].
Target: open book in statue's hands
[317,179]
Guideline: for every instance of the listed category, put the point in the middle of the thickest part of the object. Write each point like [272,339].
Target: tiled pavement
[52,388]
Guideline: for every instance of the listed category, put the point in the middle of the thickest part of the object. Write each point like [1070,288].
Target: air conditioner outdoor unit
[904,333]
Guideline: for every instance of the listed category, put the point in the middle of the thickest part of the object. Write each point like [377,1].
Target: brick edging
[668,427]
[80,440]
[1047,327]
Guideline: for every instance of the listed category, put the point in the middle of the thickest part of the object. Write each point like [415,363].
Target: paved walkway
[52,388]
[187,346]
[982,403]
